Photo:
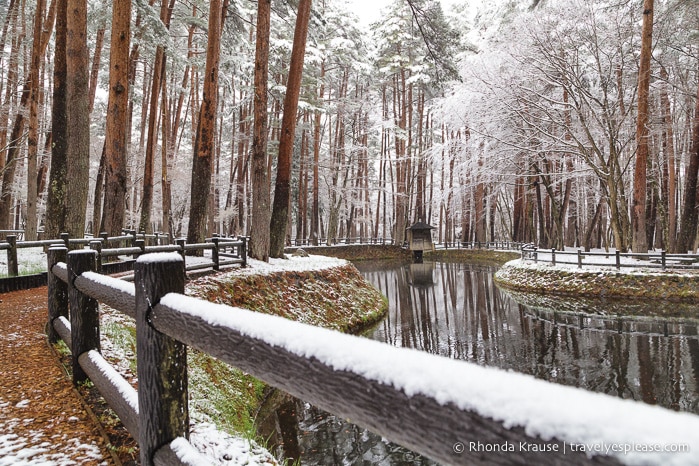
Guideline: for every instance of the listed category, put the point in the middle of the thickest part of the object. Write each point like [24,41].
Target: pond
[456,310]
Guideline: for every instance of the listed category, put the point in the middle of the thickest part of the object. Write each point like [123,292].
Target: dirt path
[42,419]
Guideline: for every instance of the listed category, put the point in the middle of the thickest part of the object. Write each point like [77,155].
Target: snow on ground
[14,451]
[29,260]
[598,260]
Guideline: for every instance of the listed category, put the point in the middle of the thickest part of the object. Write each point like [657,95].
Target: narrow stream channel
[455,310]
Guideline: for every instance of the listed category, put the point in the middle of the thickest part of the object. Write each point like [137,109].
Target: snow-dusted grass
[216,392]
[220,395]
[29,261]
[637,283]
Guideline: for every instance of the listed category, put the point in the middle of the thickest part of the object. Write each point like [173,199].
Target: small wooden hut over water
[420,239]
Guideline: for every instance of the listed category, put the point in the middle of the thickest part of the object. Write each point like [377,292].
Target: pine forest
[563,123]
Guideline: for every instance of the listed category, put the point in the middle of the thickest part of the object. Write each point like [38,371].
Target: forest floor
[43,418]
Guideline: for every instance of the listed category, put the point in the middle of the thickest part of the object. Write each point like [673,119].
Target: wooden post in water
[84,311]
[161,360]
[57,290]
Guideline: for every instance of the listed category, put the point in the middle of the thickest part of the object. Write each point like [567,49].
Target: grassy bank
[334,296]
[634,285]
[473,256]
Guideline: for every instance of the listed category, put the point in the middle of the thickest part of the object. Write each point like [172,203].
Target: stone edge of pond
[608,284]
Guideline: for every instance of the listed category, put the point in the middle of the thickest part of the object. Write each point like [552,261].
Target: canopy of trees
[557,122]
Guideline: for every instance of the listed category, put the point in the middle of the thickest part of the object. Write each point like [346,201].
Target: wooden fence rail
[436,406]
[497,245]
[613,259]
[224,252]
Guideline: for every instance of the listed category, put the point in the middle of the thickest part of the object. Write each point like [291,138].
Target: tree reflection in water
[455,310]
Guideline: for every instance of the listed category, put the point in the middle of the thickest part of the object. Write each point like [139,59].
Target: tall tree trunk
[33,138]
[31,88]
[117,119]
[77,99]
[280,209]
[204,143]
[688,226]
[55,205]
[639,241]
[156,85]
[669,166]
[98,198]
[96,61]
[261,213]
[315,209]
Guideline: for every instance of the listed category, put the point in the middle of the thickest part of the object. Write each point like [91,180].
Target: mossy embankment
[336,297]
[472,256]
[609,284]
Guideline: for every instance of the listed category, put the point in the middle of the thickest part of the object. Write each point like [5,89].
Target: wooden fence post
[617,259]
[84,311]
[181,242]
[96,245]
[663,259]
[244,251]
[12,264]
[161,361]
[214,254]
[57,290]
[66,239]
[140,243]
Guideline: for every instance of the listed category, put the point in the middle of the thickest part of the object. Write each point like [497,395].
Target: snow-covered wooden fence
[611,259]
[222,252]
[367,240]
[452,411]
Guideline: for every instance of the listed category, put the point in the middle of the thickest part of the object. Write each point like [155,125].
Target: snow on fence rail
[652,259]
[452,411]
[224,251]
[497,245]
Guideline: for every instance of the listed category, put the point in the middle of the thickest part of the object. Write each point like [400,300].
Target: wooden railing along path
[366,240]
[223,252]
[613,259]
[452,411]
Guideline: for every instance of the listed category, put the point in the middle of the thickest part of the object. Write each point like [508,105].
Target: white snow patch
[159,257]
[223,448]
[116,283]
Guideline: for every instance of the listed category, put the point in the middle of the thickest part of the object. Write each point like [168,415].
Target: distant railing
[337,241]
[612,259]
[497,245]
[224,251]
[452,411]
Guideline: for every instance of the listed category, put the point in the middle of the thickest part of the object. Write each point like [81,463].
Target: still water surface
[455,310]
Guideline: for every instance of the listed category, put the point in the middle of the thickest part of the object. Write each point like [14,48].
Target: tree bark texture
[204,143]
[55,202]
[117,119]
[280,209]
[639,241]
[78,117]
[261,200]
